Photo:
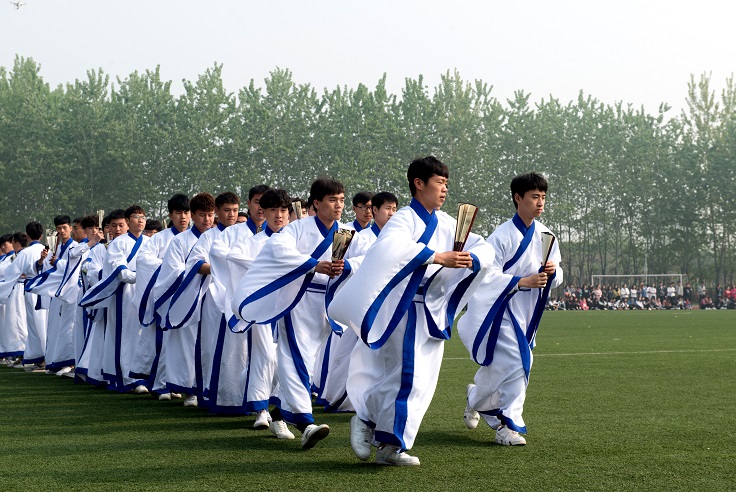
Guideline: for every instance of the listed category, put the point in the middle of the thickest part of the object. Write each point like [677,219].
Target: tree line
[629,190]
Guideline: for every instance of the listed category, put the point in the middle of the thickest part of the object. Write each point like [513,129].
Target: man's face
[254,209]
[77,232]
[203,220]
[276,218]
[330,207]
[136,223]
[531,205]
[363,213]
[6,247]
[381,215]
[118,227]
[241,219]
[181,219]
[16,246]
[64,231]
[433,192]
[227,214]
[92,233]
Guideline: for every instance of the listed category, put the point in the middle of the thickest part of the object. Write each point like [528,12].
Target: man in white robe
[197,306]
[27,264]
[85,318]
[223,391]
[147,361]
[286,284]
[12,309]
[61,311]
[402,301]
[333,392]
[115,292]
[502,319]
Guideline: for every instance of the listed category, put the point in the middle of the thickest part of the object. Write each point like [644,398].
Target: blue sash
[299,271]
[416,268]
[103,290]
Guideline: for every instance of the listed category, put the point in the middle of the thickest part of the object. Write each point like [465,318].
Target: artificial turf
[617,401]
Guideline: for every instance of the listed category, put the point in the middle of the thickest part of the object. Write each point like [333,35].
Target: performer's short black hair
[118,213]
[77,221]
[322,187]
[178,203]
[361,198]
[527,182]
[6,238]
[227,197]
[133,209]
[61,220]
[34,230]
[310,202]
[242,214]
[202,201]
[89,221]
[275,198]
[21,238]
[257,190]
[379,199]
[424,168]
[154,225]
[105,221]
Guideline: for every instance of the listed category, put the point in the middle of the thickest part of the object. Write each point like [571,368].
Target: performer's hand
[44,254]
[324,267]
[536,281]
[454,259]
[337,268]
[550,267]
[53,260]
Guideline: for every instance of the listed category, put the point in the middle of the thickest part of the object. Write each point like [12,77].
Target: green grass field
[617,401]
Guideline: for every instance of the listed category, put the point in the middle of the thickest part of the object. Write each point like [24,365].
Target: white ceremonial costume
[13,331]
[115,292]
[93,355]
[281,287]
[333,373]
[147,357]
[71,292]
[183,339]
[502,320]
[243,377]
[93,322]
[403,307]
[23,268]
[61,314]
[224,390]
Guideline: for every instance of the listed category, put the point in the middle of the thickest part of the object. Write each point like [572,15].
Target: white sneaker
[140,390]
[313,434]
[392,455]
[508,437]
[64,370]
[164,397]
[361,438]
[262,420]
[280,430]
[176,396]
[48,371]
[470,417]
[191,401]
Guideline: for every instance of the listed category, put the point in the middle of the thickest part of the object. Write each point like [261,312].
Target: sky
[638,52]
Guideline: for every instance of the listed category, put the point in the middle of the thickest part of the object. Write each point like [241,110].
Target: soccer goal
[636,279]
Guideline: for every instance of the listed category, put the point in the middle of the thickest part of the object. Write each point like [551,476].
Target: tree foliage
[629,191]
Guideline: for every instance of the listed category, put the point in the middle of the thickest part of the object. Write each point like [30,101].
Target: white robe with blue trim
[148,264]
[403,308]
[22,269]
[499,327]
[13,331]
[281,286]
[115,292]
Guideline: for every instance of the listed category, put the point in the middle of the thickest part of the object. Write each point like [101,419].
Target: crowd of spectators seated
[640,297]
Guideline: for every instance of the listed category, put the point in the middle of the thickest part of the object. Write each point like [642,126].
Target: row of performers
[246,317]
